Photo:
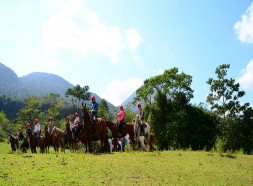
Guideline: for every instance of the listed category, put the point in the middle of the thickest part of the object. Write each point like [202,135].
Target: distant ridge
[33,84]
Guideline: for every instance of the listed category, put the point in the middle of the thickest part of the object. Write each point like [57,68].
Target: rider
[75,128]
[50,125]
[68,122]
[94,112]
[20,135]
[121,117]
[140,115]
[37,130]
[28,127]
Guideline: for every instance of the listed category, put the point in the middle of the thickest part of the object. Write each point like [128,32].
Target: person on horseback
[37,130]
[141,118]
[20,135]
[28,127]
[50,125]
[67,130]
[121,117]
[94,112]
[75,128]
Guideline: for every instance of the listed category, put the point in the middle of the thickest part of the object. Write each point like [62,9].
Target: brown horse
[69,137]
[32,140]
[47,138]
[100,134]
[14,142]
[127,129]
[58,138]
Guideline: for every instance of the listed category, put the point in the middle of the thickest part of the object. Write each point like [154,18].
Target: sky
[113,46]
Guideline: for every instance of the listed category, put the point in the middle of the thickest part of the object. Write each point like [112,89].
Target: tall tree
[4,126]
[164,98]
[78,94]
[31,111]
[104,111]
[54,104]
[224,101]
[225,94]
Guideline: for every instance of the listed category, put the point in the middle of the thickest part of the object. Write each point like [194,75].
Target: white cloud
[133,38]
[77,29]
[118,91]
[53,62]
[244,28]
[246,80]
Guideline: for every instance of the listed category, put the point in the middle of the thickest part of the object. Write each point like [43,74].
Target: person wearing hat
[75,129]
[94,112]
[20,134]
[140,116]
[50,125]
[37,130]
[121,117]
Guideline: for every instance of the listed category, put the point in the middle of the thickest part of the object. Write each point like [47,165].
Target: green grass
[129,168]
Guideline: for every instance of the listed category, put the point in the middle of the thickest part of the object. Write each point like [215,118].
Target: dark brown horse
[69,140]
[100,134]
[47,138]
[14,142]
[58,138]
[127,129]
[32,140]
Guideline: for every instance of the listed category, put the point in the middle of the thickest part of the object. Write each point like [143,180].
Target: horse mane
[56,128]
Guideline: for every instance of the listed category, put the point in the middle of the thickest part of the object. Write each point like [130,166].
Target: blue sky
[113,46]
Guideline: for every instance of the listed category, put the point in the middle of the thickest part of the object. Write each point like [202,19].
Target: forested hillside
[35,84]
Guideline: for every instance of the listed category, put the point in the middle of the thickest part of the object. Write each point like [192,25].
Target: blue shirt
[94,107]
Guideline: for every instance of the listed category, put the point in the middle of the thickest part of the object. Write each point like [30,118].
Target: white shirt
[37,128]
[76,121]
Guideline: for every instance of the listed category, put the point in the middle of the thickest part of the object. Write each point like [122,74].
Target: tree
[54,104]
[165,98]
[224,101]
[104,110]
[78,94]
[225,94]
[31,111]
[4,126]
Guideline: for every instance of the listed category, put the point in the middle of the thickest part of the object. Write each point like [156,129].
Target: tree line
[221,123]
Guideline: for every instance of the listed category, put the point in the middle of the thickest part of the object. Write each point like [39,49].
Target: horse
[41,144]
[140,137]
[100,134]
[127,129]
[47,138]
[24,145]
[32,140]
[112,147]
[69,137]
[14,142]
[58,138]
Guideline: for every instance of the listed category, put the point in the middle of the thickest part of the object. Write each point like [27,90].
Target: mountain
[8,79]
[33,84]
[39,83]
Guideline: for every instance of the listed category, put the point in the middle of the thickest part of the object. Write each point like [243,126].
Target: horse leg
[90,147]
[141,140]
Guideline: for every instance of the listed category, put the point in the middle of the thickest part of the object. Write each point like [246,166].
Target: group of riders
[76,126]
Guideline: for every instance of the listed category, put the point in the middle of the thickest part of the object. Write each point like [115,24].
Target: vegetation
[175,122]
[133,168]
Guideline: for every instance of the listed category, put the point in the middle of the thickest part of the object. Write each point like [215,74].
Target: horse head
[85,114]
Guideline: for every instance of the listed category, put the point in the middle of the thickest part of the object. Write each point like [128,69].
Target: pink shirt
[121,115]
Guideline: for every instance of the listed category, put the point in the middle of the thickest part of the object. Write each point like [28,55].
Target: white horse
[140,137]
[120,145]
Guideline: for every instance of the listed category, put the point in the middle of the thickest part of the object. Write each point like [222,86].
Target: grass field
[129,168]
